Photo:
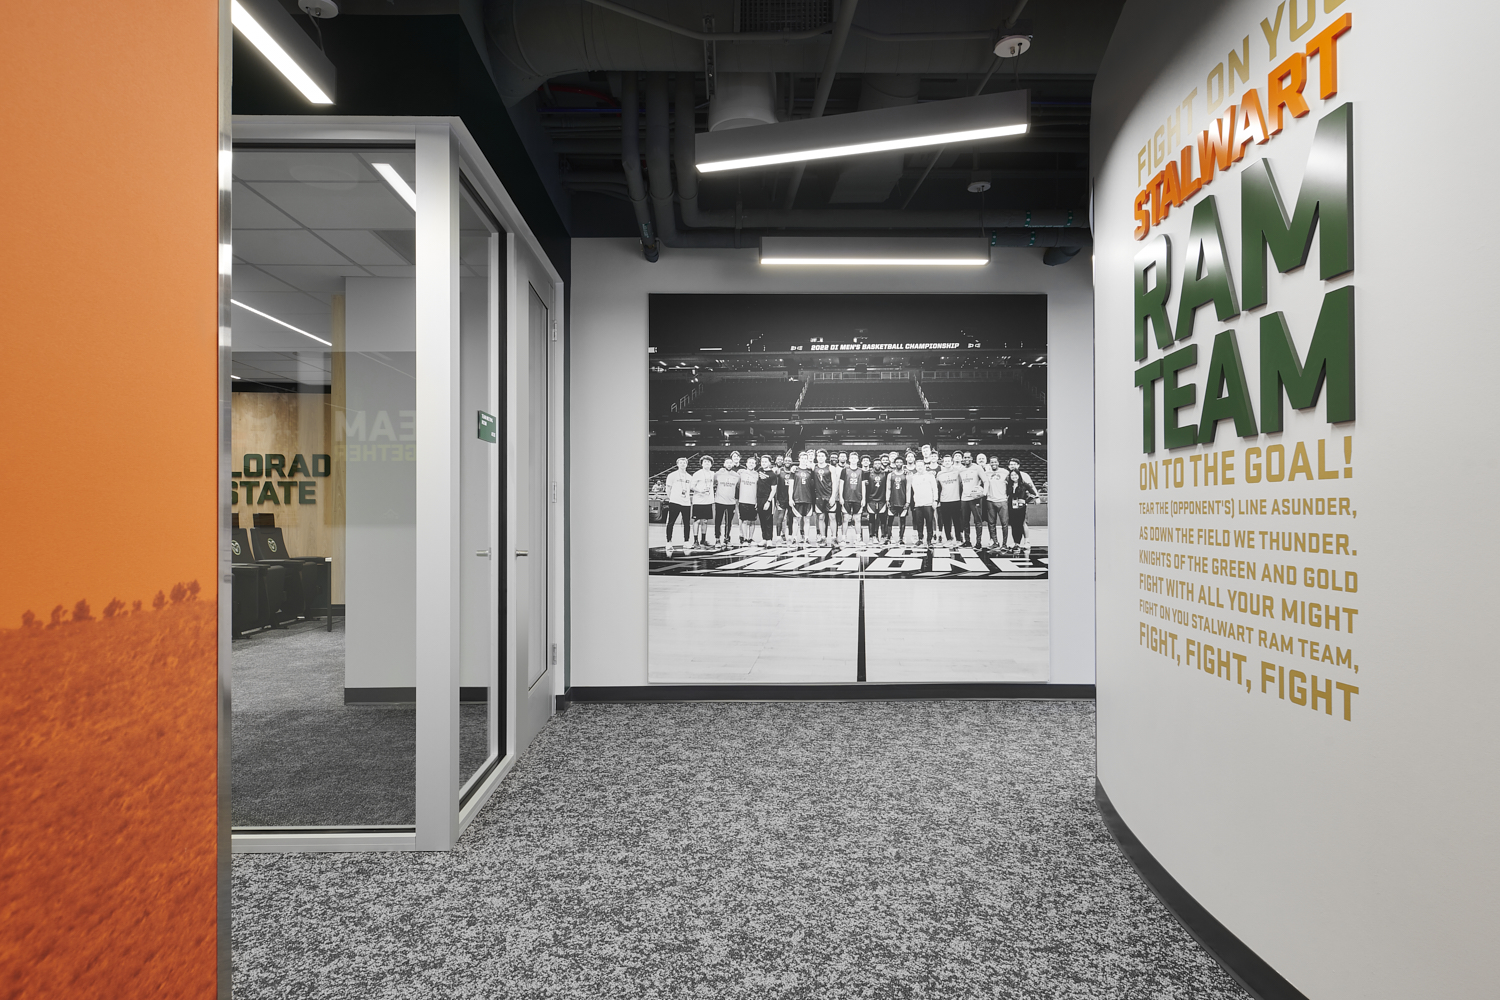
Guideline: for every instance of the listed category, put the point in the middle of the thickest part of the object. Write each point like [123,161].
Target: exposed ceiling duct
[579,69]
[869,179]
[532,41]
[741,100]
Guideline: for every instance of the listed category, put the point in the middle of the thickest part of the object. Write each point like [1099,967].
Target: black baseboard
[1243,965]
[407,695]
[823,692]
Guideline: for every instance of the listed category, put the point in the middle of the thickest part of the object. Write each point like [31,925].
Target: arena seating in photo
[963,393]
[748,394]
[666,392]
[1033,465]
[842,394]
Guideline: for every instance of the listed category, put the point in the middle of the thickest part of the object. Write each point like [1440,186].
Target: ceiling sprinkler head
[319,8]
[1010,46]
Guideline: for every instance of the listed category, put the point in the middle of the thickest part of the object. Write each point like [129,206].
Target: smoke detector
[979,182]
[319,8]
[1009,46]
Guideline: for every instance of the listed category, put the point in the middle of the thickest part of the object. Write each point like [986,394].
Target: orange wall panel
[108,399]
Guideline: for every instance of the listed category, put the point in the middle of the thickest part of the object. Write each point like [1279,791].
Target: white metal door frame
[445,150]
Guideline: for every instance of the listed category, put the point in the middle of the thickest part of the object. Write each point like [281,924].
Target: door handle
[483,553]
[521,552]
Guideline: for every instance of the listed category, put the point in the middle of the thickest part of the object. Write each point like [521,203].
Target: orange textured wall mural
[108,400]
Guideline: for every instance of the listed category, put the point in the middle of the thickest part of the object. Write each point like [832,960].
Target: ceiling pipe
[659,164]
[630,159]
[792,36]
[825,86]
[686,159]
[529,42]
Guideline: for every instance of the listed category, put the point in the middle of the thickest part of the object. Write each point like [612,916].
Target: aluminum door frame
[445,149]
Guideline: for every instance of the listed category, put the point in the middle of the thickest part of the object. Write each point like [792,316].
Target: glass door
[531,565]
[481,460]
[323,489]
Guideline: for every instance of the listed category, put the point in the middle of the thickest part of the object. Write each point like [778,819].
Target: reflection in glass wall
[324,489]
[480,459]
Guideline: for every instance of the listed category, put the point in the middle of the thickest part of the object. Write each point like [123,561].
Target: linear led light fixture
[397,183]
[266,25]
[937,123]
[859,251]
[280,322]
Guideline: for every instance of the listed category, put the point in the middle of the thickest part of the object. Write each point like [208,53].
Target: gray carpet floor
[301,757]
[772,850]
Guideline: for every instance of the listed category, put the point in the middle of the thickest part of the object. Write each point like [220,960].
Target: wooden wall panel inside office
[109,283]
[289,424]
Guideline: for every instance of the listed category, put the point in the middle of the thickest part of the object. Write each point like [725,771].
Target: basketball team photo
[848,488]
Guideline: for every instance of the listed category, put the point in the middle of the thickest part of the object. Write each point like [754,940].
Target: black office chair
[247,587]
[314,573]
[270,580]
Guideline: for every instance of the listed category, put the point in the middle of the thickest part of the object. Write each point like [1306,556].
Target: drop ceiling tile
[249,278]
[371,205]
[327,167]
[362,246]
[328,279]
[404,271]
[253,333]
[284,246]
[251,211]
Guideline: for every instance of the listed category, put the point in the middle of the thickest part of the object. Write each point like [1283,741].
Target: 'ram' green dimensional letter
[1325,202]
[1330,358]
[1205,270]
[1226,396]
[1151,303]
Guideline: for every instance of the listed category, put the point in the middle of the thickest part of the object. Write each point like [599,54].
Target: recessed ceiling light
[280,322]
[397,183]
[278,56]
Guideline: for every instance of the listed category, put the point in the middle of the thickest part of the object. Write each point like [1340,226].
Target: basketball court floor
[824,614]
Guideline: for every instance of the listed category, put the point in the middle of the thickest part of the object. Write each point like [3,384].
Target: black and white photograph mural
[848,488]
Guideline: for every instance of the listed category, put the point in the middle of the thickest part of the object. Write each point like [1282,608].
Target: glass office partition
[481,459]
[324,487]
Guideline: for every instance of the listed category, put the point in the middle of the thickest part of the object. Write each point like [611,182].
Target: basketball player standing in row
[679,501]
[703,501]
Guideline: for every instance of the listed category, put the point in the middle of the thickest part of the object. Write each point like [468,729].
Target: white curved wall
[1356,857]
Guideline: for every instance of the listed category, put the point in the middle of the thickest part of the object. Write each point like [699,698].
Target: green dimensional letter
[1147,378]
[1174,397]
[1225,396]
[1330,356]
[1205,270]
[1151,304]
[1326,201]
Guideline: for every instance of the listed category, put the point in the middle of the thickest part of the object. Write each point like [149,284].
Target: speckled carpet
[768,850]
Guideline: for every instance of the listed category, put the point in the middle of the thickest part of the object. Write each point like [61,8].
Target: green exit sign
[487,427]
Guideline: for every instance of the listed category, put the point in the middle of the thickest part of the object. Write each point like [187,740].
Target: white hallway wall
[1357,858]
[608,399]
